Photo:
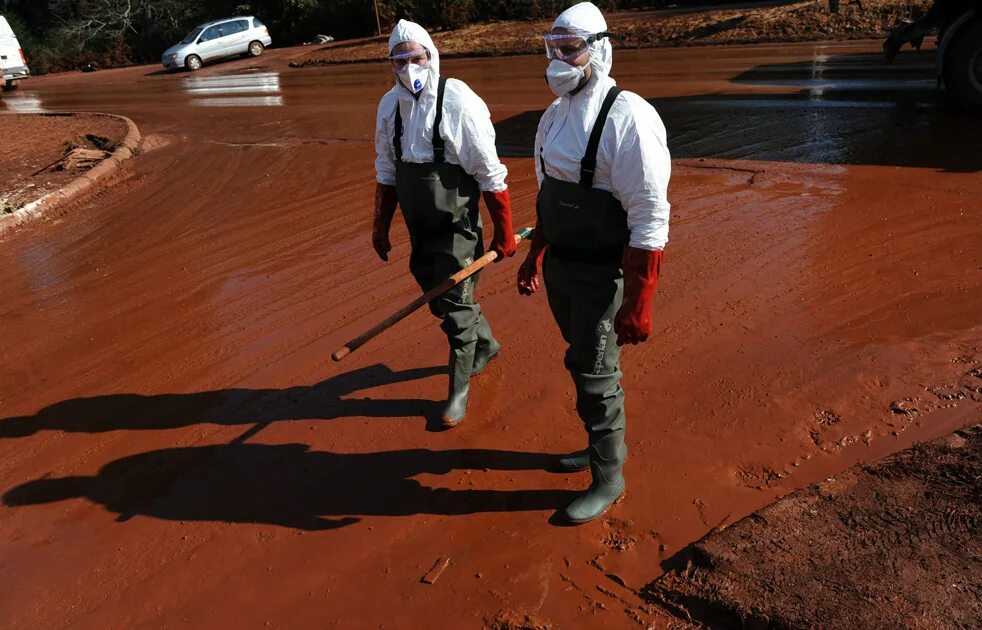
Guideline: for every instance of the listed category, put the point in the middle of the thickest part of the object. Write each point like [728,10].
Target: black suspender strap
[438,149]
[588,165]
[397,141]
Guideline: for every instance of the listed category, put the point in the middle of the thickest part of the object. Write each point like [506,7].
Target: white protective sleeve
[633,161]
[469,136]
[639,171]
[385,157]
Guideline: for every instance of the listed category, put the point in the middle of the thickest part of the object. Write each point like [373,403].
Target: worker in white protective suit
[603,167]
[435,156]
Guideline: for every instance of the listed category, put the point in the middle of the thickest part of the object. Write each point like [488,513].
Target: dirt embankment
[799,21]
[875,547]
[41,153]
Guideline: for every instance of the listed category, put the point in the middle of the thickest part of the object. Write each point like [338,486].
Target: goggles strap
[596,37]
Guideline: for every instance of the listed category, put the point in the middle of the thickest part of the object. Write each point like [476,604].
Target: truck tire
[963,68]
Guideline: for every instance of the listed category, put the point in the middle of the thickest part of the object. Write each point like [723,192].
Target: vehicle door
[240,37]
[212,42]
[9,48]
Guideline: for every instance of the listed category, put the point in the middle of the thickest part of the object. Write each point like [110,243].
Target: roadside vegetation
[67,34]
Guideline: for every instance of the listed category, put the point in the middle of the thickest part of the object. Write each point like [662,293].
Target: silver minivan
[221,38]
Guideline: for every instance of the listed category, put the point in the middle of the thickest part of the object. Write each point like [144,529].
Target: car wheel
[193,63]
[9,86]
[255,49]
[963,68]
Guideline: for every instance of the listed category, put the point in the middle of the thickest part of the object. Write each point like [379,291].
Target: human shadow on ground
[322,401]
[292,486]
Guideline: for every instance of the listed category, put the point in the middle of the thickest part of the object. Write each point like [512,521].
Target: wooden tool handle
[435,292]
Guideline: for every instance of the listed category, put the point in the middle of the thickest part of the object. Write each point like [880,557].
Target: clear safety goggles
[569,47]
[401,60]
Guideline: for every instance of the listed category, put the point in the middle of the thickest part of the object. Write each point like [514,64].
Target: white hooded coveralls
[633,162]
[466,127]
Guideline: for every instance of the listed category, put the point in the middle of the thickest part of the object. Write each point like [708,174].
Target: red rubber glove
[386,200]
[528,273]
[499,207]
[641,268]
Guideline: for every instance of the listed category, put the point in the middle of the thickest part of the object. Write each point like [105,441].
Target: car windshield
[193,36]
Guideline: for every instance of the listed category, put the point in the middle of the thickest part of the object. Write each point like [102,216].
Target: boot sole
[574,521]
[447,423]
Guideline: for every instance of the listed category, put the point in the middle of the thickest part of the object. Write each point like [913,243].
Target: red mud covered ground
[33,144]
[891,545]
[176,447]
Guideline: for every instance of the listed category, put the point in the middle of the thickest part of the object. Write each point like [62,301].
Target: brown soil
[896,544]
[799,21]
[34,145]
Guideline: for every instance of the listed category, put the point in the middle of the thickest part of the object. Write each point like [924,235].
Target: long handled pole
[427,297]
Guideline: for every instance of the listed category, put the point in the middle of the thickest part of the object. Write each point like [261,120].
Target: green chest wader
[586,229]
[439,203]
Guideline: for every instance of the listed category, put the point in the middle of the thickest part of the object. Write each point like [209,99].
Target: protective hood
[406,31]
[585,19]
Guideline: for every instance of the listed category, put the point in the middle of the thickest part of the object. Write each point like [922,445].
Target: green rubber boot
[573,462]
[460,378]
[487,347]
[606,462]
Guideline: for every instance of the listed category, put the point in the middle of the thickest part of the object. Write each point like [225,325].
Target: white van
[13,65]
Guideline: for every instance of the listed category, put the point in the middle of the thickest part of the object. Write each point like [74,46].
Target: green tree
[63,34]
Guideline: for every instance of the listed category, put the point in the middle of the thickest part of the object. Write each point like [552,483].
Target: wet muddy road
[176,447]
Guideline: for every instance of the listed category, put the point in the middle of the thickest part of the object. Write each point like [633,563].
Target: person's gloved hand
[528,273]
[499,207]
[633,320]
[386,200]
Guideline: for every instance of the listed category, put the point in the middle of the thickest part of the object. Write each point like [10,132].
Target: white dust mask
[413,77]
[562,77]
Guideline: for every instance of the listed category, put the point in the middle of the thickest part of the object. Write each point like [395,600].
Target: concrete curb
[73,189]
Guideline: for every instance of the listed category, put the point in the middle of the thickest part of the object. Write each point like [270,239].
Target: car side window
[257,24]
[211,33]
[241,26]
